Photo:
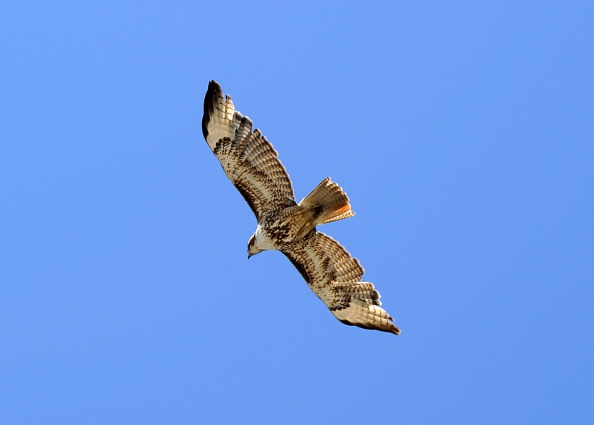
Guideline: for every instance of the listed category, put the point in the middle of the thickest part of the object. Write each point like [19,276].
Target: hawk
[252,165]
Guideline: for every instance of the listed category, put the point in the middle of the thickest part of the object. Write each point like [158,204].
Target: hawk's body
[252,165]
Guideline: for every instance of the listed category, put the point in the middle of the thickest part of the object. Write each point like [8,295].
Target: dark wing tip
[213,86]
[212,93]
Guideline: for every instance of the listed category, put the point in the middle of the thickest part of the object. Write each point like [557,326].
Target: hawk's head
[259,242]
[252,247]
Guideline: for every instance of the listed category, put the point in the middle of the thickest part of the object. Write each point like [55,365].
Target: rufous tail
[327,203]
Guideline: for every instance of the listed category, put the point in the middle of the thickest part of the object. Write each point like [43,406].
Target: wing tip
[212,93]
[388,327]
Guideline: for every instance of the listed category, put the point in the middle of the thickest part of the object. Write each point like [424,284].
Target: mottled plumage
[252,165]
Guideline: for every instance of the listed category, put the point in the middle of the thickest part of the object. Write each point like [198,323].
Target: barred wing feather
[248,159]
[335,277]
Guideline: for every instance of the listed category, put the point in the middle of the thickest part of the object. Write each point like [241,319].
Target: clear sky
[462,131]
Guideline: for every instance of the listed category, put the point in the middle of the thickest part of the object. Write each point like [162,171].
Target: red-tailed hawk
[252,165]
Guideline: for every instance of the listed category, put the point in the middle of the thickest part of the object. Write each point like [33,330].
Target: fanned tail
[327,203]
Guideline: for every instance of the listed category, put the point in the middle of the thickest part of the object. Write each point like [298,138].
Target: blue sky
[462,132]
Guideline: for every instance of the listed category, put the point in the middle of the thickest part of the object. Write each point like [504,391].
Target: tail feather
[327,203]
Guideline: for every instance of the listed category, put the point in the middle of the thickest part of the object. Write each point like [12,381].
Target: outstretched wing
[248,159]
[335,277]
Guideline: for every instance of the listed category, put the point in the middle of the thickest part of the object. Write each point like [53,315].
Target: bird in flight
[252,165]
